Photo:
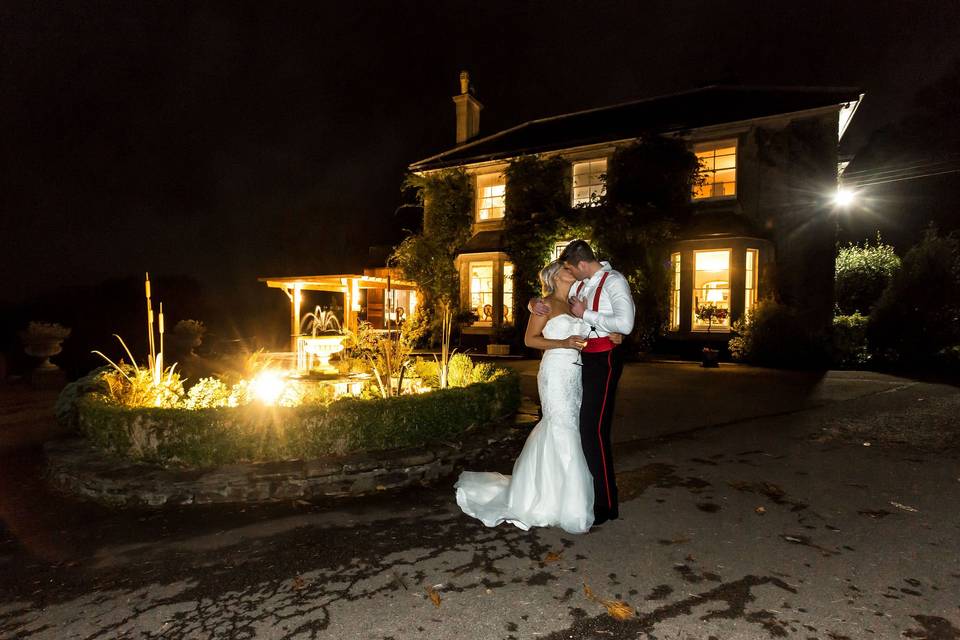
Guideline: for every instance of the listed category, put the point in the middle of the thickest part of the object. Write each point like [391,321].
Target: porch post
[295,316]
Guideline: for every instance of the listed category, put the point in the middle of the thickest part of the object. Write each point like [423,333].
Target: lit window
[718,168]
[507,293]
[481,291]
[588,185]
[711,287]
[558,247]
[750,286]
[675,293]
[491,196]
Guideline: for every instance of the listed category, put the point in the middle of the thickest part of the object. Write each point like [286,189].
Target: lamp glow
[268,386]
[843,197]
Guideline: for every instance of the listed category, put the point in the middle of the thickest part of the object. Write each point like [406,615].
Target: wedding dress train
[551,484]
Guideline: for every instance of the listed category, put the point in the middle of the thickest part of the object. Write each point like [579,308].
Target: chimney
[468,110]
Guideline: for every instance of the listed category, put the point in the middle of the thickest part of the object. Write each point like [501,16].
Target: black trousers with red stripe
[601,373]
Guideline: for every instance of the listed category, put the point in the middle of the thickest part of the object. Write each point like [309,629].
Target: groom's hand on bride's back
[538,307]
[616,338]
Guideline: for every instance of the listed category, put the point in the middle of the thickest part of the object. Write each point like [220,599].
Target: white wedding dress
[551,484]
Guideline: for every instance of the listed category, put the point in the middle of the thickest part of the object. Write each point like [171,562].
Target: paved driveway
[782,525]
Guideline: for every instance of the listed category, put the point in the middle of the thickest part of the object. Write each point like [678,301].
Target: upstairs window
[491,196]
[718,167]
[588,185]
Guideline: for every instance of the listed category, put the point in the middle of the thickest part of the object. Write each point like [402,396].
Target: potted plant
[710,313]
[500,341]
[43,340]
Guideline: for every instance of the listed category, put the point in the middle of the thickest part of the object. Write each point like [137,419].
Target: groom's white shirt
[616,310]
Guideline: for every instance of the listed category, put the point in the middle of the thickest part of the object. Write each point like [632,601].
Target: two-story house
[762,222]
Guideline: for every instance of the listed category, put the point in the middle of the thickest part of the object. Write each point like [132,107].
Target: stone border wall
[75,467]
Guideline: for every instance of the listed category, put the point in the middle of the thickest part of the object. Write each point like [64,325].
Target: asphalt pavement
[756,504]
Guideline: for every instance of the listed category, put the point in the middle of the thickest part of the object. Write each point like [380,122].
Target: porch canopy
[346,283]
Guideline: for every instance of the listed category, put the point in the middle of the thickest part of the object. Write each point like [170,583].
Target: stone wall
[76,467]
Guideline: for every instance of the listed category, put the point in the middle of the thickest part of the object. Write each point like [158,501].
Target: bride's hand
[538,306]
[616,338]
[574,342]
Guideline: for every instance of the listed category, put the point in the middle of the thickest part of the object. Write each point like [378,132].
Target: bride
[551,484]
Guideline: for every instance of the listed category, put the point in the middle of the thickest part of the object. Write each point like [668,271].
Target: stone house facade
[763,224]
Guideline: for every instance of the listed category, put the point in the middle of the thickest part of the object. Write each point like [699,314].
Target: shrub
[225,435]
[483,371]
[208,393]
[428,371]
[850,341]
[918,315]
[131,386]
[65,408]
[862,273]
[773,335]
[460,370]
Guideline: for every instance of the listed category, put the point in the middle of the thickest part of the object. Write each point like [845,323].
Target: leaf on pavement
[298,583]
[552,557]
[904,507]
[616,608]
[434,596]
[619,610]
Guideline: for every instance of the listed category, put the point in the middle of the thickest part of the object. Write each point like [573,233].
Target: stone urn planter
[711,358]
[44,340]
[498,349]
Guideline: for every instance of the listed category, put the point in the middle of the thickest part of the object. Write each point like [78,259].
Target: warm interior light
[713,260]
[268,386]
[843,197]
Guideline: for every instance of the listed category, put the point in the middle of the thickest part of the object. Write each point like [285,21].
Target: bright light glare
[843,197]
[268,386]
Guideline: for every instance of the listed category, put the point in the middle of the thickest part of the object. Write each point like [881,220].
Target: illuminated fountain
[322,346]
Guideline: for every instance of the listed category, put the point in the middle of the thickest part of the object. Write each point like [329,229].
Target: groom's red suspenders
[597,345]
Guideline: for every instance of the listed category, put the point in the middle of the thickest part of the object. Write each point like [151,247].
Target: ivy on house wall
[427,258]
[648,182]
[537,215]
[647,199]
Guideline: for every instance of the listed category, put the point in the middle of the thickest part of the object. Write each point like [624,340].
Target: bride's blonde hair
[548,276]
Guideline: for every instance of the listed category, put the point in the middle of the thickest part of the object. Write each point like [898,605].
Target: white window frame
[486,181]
[701,147]
[593,180]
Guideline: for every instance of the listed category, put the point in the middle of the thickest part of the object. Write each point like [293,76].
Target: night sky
[225,142]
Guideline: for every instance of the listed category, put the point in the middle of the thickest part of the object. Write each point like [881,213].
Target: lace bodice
[558,380]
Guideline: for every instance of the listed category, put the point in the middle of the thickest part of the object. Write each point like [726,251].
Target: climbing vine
[648,187]
[428,257]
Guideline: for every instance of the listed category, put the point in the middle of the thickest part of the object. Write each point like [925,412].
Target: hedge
[254,433]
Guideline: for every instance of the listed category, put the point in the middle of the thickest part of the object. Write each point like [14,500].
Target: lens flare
[268,386]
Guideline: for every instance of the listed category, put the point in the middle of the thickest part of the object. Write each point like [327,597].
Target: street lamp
[843,197]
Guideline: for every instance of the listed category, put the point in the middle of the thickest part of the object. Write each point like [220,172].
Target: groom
[602,298]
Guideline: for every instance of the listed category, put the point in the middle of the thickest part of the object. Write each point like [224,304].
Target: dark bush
[209,437]
[862,273]
[918,316]
[850,348]
[774,336]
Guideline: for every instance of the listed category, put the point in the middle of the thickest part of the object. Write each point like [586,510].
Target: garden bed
[212,437]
